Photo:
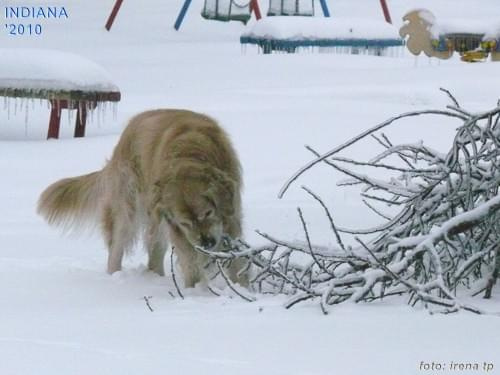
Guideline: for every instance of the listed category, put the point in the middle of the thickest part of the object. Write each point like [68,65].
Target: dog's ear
[162,188]
[223,191]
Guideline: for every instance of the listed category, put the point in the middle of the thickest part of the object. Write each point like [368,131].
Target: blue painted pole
[182,14]
[324,7]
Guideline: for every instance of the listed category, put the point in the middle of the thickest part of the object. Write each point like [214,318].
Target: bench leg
[81,120]
[55,120]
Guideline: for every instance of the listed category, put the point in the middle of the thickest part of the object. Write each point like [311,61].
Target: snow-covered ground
[62,314]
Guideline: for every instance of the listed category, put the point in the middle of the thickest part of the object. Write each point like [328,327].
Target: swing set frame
[254,8]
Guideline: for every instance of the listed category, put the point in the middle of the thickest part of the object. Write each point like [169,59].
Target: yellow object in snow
[474,56]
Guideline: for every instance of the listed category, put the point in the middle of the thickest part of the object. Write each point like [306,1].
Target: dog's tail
[71,202]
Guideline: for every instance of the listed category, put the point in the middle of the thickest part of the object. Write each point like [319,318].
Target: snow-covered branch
[441,243]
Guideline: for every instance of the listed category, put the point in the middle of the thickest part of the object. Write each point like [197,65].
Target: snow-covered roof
[490,27]
[310,28]
[41,70]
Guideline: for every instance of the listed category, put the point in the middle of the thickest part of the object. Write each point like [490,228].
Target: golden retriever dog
[174,177]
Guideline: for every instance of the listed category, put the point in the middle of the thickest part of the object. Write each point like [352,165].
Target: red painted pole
[55,119]
[385,9]
[113,14]
[81,119]
[254,7]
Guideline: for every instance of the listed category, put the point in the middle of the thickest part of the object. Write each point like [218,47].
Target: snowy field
[60,313]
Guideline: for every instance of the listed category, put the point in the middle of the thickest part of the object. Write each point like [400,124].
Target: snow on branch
[441,242]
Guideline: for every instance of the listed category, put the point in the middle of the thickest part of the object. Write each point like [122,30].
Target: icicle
[8,108]
[101,113]
[104,113]
[99,123]
[72,112]
[69,110]
[26,117]
[115,111]
[79,112]
[95,113]
[98,114]
[92,110]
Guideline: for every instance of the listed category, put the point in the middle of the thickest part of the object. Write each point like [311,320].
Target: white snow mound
[37,69]
[300,28]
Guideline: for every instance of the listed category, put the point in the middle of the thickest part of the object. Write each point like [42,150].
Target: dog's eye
[185,224]
[210,199]
[208,214]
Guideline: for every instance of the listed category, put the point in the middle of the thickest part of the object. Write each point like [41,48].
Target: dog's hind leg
[239,268]
[120,233]
[156,243]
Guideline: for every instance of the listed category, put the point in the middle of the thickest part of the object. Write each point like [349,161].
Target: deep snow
[62,314]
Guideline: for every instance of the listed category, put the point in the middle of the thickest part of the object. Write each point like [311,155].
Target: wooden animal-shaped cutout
[417,27]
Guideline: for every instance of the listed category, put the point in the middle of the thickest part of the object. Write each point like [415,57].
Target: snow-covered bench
[289,33]
[66,80]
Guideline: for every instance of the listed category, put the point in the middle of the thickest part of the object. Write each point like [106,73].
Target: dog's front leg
[156,244]
[190,261]
[239,272]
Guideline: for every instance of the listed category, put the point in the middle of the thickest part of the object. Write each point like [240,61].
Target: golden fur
[174,177]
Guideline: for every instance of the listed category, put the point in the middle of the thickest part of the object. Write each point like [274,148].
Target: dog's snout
[207,242]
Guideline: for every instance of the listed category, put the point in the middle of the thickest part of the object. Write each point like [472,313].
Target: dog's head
[198,201]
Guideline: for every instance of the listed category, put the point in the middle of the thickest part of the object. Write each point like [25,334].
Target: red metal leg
[254,7]
[55,119]
[81,120]
[113,14]
[385,9]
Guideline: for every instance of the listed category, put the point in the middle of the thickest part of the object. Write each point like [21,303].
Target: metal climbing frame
[227,10]
[253,7]
[295,8]
[306,8]
[291,8]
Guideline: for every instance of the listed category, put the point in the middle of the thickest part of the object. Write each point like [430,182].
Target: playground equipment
[292,7]
[223,10]
[424,34]
[306,8]
[220,10]
[228,10]
[350,35]
[113,14]
[241,10]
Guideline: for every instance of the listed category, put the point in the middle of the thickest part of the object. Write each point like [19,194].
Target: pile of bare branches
[441,241]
